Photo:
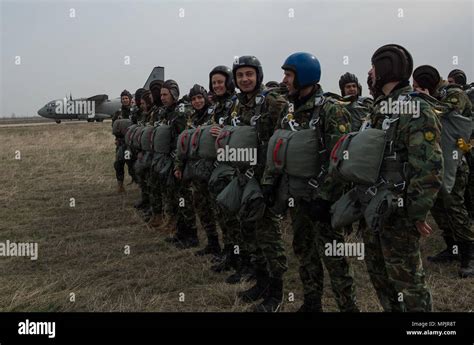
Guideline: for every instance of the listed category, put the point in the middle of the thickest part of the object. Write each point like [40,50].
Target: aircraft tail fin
[158,73]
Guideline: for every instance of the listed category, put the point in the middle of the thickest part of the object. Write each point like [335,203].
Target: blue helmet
[306,68]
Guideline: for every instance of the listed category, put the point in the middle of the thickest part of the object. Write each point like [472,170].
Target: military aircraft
[95,108]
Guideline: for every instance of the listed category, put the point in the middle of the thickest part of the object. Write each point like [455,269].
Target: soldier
[156,220]
[310,216]
[177,197]
[413,170]
[358,107]
[120,159]
[221,82]
[146,104]
[449,210]
[253,107]
[202,199]
[136,110]
[458,77]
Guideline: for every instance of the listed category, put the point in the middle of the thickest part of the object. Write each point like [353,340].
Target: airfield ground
[82,248]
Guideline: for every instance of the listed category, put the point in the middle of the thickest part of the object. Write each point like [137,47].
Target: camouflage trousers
[154,188]
[119,164]
[469,192]
[449,210]
[178,202]
[263,240]
[309,239]
[204,207]
[393,260]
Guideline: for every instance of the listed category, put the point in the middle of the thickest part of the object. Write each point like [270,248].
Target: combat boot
[467,259]
[212,247]
[245,271]
[272,302]
[259,290]
[120,187]
[311,304]
[155,221]
[227,261]
[446,255]
[143,203]
[187,235]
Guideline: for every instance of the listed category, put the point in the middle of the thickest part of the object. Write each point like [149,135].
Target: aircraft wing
[98,98]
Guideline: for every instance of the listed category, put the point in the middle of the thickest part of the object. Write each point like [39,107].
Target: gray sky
[85,55]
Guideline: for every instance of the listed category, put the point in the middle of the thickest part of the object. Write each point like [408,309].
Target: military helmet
[227,73]
[138,95]
[306,68]
[459,76]
[427,77]
[173,87]
[197,90]
[392,62]
[126,93]
[248,61]
[272,83]
[347,78]
[156,84]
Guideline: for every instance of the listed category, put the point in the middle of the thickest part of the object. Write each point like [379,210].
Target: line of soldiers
[174,190]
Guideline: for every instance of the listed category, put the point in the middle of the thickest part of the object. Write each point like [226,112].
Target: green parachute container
[203,144]
[162,139]
[454,126]
[357,157]
[146,139]
[119,128]
[294,152]
[220,177]
[129,135]
[239,140]
[184,143]
[136,139]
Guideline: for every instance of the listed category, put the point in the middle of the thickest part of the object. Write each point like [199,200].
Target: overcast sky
[85,54]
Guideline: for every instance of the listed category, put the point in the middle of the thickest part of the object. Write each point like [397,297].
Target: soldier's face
[451,81]
[351,89]
[198,102]
[289,81]
[143,105]
[218,84]
[246,79]
[372,75]
[166,97]
[125,101]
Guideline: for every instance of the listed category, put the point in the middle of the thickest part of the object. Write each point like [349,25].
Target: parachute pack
[119,127]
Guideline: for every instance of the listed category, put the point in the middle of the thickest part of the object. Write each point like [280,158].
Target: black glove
[268,191]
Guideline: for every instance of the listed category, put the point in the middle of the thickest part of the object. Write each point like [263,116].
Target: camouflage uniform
[450,212]
[312,228]
[120,158]
[229,224]
[393,255]
[203,203]
[153,183]
[177,196]
[262,238]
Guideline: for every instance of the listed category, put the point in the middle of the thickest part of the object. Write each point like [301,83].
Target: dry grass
[81,249]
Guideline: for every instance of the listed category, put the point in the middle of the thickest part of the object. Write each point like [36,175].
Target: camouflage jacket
[416,142]
[457,98]
[122,113]
[359,108]
[154,115]
[135,114]
[177,117]
[270,106]
[221,108]
[334,123]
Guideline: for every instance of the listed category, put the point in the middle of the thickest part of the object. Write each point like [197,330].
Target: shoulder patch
[429,136]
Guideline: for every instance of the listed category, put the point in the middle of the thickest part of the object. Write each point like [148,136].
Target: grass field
[82,248]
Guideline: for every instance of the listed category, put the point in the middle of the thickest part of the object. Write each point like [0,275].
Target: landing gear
[58,121]
[99,120]
[90,120]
